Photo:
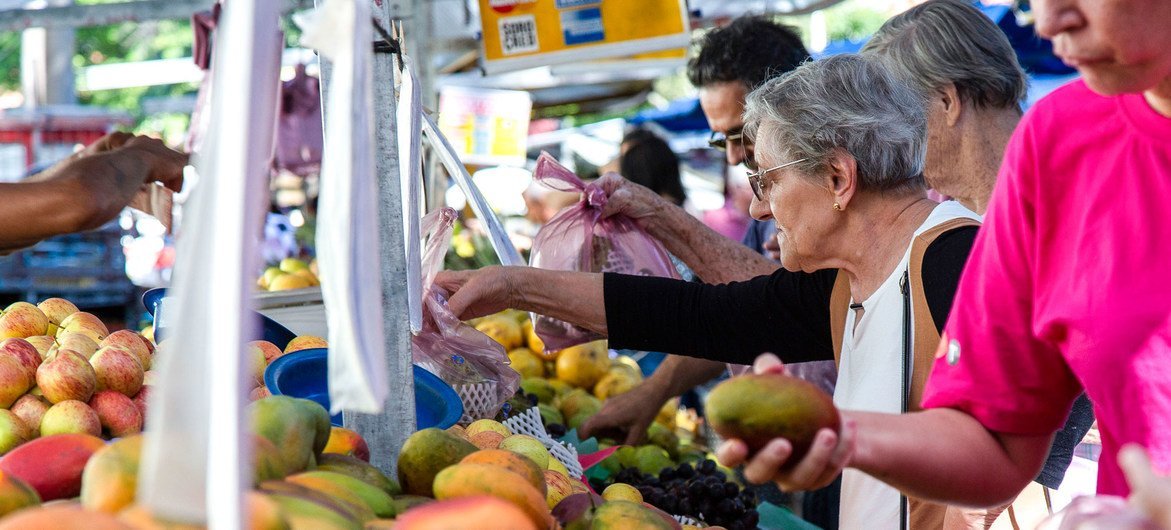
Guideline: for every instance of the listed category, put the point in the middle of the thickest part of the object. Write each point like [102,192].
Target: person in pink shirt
[1064,290]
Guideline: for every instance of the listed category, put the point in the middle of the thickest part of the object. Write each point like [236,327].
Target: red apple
[140,400]
[117,369]
[117,413]
[13,431]
[132,342]
[305,342]
[21,320]
[84,323]
[78,342]
[71,416]
[43,343]
[24,352]
[56,309]
[14,380]
[30,409]
[271,352]
[259,393]
[256,363]
[66,375]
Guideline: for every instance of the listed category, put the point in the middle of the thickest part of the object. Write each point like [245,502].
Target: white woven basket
[479,399]
[529,422]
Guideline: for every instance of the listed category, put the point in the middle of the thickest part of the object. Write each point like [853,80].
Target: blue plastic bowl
[272,331]
[303,374]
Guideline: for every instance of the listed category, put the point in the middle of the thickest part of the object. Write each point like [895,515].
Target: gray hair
[847,102]
[951,41]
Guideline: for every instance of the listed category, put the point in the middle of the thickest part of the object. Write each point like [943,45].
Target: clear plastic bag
[456,352]
[578,239]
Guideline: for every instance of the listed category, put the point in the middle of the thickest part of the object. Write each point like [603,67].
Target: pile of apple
[62,371]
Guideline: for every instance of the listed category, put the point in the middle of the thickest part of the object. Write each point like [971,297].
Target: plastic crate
[87,268]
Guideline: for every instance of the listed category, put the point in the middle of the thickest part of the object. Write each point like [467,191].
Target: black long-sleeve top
[786,313]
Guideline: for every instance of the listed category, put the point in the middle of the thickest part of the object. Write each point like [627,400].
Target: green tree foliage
[126,42]
[852,20]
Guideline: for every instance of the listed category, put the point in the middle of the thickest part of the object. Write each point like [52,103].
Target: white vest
[870,379]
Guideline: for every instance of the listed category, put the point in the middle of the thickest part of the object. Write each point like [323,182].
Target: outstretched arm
[85,190]
[713,257]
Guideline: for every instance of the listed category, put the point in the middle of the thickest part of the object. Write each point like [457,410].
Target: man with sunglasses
[731,62]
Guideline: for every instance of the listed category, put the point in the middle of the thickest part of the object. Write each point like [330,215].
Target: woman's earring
[838,206]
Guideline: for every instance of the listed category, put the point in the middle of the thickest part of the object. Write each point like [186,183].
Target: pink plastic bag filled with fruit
[459,354]
[578,239]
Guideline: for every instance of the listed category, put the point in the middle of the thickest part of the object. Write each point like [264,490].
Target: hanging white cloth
[347,222]
[189,467]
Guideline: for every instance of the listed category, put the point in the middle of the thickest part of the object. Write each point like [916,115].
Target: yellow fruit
[578,402]
[516,463]
[556,465]
[616,515]
[624,362]
[560,387]
[535,343]
[666,415]
[269,274]
[467,480]
[613,383]
[528,446]
[757,408]
[308,276]
[425,454]
[479,426]
[110,479]
[558,486]
[582,366]
[292,265]
[286,282]
[502,329]
[526,363]
[621,492]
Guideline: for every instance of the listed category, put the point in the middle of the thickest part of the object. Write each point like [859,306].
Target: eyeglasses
[756,180]
[719,140]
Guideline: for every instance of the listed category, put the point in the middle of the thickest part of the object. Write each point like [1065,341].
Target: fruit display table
[300,310]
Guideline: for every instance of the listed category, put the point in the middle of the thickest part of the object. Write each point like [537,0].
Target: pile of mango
[483,476]
[571,385]
[547,374]
[290,273]
[306,475]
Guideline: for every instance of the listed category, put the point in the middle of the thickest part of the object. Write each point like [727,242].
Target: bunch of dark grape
[701,492]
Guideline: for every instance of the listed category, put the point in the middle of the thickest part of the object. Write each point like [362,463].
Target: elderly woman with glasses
[841,145]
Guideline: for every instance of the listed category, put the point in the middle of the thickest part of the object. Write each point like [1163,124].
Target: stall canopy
[1046,71]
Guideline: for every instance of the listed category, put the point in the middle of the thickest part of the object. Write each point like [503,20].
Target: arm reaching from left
[87,189]
[575,297]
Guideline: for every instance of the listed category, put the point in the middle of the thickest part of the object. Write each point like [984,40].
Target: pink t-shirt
[1069,278]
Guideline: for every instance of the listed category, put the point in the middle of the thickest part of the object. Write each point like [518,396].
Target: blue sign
[582,26]
[573,4]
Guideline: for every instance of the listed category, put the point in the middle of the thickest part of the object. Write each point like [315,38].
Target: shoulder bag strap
[918,354]
[839,304]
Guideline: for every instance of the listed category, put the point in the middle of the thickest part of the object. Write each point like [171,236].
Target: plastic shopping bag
[474,364]
[578,239]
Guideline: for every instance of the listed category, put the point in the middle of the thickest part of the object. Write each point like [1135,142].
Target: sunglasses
[719,140]
[756,180]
